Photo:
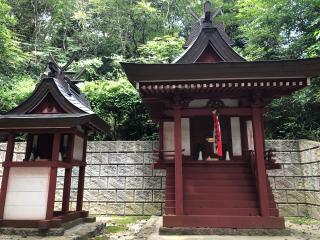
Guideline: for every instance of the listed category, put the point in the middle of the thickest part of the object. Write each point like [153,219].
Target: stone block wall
[119,179]
[296,187]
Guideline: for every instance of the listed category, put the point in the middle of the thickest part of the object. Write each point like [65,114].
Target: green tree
[161,49]
[15,90]
[11,55]
[277,29]
[119,104]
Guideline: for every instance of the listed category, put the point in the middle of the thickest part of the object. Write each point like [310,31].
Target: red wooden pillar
[160,139]
[53,176]
[5,177]
[82,171]
[258,133]
[178,160]
[67,177]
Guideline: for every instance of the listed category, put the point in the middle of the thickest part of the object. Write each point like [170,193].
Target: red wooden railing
[165,155]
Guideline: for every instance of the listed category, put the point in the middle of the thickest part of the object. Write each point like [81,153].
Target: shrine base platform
[80,228]
[233,222]
[178,231]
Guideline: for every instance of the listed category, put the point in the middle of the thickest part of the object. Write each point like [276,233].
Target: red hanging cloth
[217,142]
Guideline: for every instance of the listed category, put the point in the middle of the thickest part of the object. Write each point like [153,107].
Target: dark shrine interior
[201,128]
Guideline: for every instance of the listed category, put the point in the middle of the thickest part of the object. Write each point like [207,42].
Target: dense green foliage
[121,106]
[102,33]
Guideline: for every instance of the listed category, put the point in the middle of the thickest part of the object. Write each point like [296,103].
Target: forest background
[102,33]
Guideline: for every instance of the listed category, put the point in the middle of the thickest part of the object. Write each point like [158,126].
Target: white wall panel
[236,136]
[168,136]
[27,193]
[185,135]
[250,135]
[78,148]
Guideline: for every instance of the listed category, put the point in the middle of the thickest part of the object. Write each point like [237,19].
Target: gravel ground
[148,230]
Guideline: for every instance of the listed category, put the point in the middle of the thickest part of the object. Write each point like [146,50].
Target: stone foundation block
[126,170]
[288,210]
[133,209]
[144,146]
[107,196]
[98,208]
[280,196]
[284,183]
[302,210]
[143,170]
[163,183]
[296,196]
[108,146]
[292,170]
[159,195]
[109,170]
[134,158]
[98,182]
[134,182]
[152,209]
[125,195]
[152,183]
[116,182]
[93,170]
[126,146]
[314,211]
[149,158]
[159,172]
[118,158]
[115,208]
[143,195]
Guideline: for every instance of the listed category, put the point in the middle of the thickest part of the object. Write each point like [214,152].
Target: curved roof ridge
[205,31]
[209,35]
[43,88]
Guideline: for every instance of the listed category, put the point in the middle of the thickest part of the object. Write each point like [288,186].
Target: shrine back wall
[119,179]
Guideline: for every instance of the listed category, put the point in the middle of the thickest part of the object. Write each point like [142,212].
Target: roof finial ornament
[207,11]
[53,69]
[61,73]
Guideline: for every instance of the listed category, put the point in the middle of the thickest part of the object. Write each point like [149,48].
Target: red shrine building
[56,120]
[212,97]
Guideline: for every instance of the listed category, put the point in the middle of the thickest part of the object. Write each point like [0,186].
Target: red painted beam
[40,163]
[38,131]
[260,164]
[161,138]
[67,177]
[5,177]
[208,112]
[53,176]
[82,170]
[178,161]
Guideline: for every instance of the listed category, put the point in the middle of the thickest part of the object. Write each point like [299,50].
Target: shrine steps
[218,192]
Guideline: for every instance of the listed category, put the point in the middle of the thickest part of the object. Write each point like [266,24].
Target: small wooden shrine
[203,188]
[56,120]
